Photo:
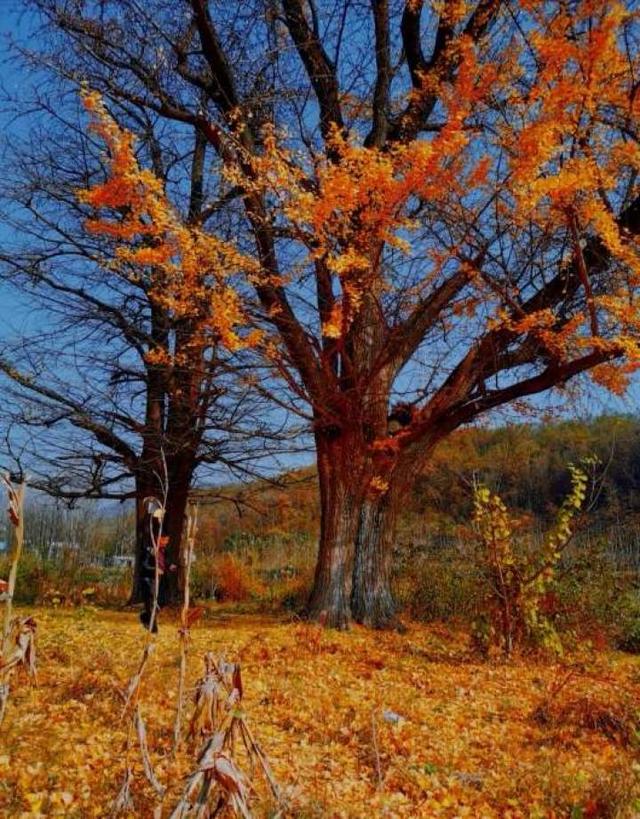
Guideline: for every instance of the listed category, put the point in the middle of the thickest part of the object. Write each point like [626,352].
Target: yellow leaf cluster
[566,159]
[355,198]
[189,269]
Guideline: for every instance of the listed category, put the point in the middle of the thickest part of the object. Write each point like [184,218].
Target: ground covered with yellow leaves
[353,724]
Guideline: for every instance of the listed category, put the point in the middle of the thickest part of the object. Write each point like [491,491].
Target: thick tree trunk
[372,602]
[350,513]
[340,498]
[173,432]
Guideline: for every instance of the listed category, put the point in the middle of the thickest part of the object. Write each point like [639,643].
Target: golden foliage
[358,196]
[189,270]
[455,737]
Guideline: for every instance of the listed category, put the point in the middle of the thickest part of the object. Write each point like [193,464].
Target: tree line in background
[525,463]
[372,224]
[82,536]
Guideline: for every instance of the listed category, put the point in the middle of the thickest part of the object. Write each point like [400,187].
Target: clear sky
[13,23]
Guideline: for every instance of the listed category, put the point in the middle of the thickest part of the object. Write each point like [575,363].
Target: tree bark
[340,499]
[372,602]
[173,528]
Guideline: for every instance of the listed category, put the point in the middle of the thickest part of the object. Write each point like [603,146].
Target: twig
[183,631]
[144,752]
[374,735]
[123,802]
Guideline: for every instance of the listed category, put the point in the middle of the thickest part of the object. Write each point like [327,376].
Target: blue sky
[13,23]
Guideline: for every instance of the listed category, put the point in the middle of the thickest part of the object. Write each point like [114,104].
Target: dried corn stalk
[185,621]
[22,633]
[23,630]
[18,635]
[217,778]
[218,781]
[136,725]
[123,803]
[144,753]
[208,706]
[15,511]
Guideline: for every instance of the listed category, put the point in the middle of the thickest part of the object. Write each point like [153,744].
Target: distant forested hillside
[526,463]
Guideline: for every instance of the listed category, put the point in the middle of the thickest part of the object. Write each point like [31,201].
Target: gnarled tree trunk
[372,602]
[339,480]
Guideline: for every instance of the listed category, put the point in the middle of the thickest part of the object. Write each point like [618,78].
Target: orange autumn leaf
[189,269]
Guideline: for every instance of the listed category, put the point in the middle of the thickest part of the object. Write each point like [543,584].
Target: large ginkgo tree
[439,204]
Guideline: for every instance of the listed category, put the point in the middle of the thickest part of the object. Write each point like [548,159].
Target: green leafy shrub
[518,574]
[64,583]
